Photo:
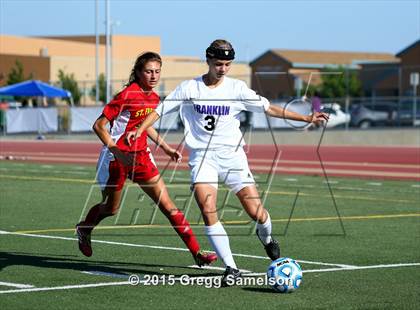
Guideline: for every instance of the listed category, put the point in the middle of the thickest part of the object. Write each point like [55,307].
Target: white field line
[107,274]
[154,247]
[216,268]
[90,285]
[126,276]
[350,268]
[327,264]
[96,241]
[299,260]
[15,285]
[365,267]
[330,182]
[66,287]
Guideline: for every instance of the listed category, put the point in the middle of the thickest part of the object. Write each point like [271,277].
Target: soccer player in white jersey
[209,107]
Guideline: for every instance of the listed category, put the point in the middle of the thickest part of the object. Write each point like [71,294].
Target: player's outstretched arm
[171,152]
[148,122]
[279,112]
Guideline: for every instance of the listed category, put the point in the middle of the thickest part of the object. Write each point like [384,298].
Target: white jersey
[211,115]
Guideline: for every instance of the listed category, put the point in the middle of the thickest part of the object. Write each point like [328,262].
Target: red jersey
[126,112]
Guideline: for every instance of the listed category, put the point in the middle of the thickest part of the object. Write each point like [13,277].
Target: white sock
[220,243]
[264,230]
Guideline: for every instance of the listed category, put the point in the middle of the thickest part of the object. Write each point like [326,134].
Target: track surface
[401,163]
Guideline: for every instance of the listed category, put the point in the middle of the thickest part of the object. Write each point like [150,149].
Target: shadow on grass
[69,262]
[259,290]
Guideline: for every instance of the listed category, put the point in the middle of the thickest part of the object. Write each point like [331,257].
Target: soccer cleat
[229,276]
[83,234]
[272,249]
[204,258]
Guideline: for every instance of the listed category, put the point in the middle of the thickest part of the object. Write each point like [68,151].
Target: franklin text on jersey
[211,109]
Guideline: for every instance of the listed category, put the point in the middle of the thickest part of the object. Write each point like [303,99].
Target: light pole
[298,86]
[107,49]
[347,100]
[414,81]
[111,67]
[96,52]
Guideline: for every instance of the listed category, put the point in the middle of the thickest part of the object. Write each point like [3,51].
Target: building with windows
[278,73]
[43,57]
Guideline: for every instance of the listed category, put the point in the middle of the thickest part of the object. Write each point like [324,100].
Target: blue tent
[34,88]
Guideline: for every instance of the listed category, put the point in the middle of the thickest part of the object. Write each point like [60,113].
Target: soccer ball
[284,275]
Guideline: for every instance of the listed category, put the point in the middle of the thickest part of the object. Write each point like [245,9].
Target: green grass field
[372,261]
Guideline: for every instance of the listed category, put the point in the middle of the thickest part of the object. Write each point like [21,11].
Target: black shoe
[229,276]
[273,249]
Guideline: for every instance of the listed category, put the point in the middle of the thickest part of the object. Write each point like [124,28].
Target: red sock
[183,228]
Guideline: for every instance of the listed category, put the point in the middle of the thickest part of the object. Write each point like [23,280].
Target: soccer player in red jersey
[119,161]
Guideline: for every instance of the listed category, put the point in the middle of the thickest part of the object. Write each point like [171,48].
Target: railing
[378,112]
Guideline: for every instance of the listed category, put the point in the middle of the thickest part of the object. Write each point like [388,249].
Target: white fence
[81,119]
[32,120]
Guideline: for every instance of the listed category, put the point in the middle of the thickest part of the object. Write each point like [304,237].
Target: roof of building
[181,58]
[124,47]
[325,58]
[408,48]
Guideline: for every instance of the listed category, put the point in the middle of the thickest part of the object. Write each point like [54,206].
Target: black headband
[220,53]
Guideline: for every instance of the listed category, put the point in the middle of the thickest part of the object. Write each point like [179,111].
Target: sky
[253,27]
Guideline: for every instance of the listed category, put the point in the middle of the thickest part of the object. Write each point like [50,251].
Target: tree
[102,89]
[69,83]
[16,74]
[309,89]
[334,85]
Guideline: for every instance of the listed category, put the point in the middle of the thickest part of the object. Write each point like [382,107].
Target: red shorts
[143,170]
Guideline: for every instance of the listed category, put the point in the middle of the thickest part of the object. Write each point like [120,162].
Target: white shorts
[102,167]
[226,165]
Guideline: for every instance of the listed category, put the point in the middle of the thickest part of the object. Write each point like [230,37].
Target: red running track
[402,163]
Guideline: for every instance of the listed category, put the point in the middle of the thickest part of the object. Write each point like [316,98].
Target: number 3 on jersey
[210,123]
